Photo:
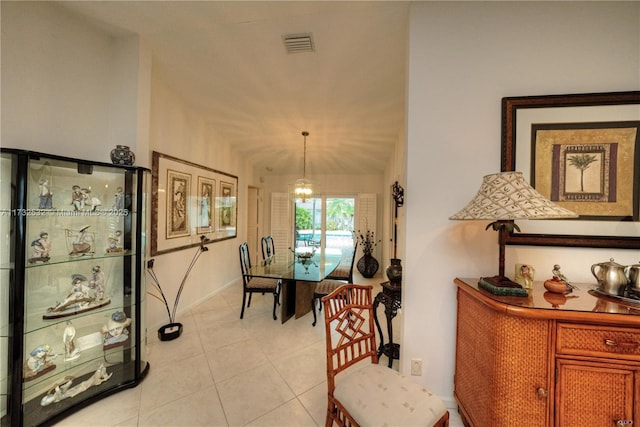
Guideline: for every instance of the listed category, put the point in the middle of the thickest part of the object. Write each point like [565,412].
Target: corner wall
[464,58]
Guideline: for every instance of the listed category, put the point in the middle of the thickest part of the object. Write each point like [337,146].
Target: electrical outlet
[416,367]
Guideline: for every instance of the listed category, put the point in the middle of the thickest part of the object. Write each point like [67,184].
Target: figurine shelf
[72,284]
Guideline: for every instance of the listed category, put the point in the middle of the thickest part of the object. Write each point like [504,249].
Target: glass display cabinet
[72,284]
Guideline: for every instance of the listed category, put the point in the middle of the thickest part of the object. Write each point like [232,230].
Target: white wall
[464,57]
[70,89]
[67,88]
[179,131]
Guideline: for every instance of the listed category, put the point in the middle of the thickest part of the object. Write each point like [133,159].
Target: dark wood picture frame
[197,204]
[520,114]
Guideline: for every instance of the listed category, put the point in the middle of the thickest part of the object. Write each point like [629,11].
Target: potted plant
[367,265]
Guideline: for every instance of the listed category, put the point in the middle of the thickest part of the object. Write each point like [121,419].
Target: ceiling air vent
[296,43]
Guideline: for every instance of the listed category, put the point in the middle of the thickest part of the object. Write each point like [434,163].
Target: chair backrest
[245,260]
[344,271]
[350,333]
[268,247]
[353,259]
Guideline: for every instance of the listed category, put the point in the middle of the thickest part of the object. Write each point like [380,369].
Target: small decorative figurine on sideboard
[59,296]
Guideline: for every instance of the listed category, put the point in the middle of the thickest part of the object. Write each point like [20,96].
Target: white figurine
[78,296]
[46,197]
[63,391]
[71,352]
[114,242]
[82,241]
[115,331]
[119,199]
[97,282]
[39,362]
[41,248]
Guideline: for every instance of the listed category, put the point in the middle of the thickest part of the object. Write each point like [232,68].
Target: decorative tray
[634,301]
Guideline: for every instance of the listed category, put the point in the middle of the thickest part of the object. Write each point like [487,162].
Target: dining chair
[252,285]
[368,394]
[341,275]
[268,247]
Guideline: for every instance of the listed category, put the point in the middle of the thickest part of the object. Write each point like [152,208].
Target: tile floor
[224,371]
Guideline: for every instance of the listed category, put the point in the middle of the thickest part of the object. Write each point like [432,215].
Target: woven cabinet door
[593,394]
[502,373]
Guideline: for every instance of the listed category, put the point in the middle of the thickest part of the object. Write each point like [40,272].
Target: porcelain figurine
[39,362]
[78,296]
[119,204]
[77,198]
[62,391]
[524,275]
[85,295]
[41,248]
[114,243]
[82,241]
[97,283]
[115,331]
[46,197]
[558,274]
[71,352]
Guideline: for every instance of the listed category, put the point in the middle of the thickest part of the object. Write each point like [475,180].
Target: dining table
[299,270]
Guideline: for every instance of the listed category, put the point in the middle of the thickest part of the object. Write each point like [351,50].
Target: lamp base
[500,285]
[170,331]
[501,282]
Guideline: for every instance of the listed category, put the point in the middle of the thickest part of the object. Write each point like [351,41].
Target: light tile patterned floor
[224,371]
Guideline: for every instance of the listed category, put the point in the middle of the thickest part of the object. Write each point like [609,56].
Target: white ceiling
[227,59]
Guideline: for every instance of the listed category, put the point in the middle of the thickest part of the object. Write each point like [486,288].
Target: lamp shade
[507,196]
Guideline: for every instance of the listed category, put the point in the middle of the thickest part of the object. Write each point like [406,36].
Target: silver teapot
[632,272]
[611,277]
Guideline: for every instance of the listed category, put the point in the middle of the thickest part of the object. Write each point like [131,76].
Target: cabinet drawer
[598,341]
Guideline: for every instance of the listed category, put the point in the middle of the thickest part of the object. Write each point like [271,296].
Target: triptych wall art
[190,200]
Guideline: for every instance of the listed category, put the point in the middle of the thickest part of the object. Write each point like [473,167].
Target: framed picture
[226,206]
[582,152]
[186,204]
[205,197]
[177,208]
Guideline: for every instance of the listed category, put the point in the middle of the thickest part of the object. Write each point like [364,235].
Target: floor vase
[368,266]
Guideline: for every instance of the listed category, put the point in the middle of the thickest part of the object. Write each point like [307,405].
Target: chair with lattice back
[338,277]
[368,394]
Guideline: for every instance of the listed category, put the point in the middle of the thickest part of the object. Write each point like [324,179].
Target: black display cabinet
[72,284]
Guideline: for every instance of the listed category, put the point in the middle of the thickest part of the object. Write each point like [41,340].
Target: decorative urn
[122,155]
[394,272]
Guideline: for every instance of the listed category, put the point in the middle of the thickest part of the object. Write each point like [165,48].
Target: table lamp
[502,198]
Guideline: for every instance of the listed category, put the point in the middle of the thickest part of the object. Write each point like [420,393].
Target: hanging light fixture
[303,188]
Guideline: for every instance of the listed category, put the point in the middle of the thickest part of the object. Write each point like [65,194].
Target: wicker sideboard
[546,359]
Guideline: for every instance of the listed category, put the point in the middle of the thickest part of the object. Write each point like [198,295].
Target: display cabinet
[72,284]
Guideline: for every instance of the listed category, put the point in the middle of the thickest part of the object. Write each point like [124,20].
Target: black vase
[368,266]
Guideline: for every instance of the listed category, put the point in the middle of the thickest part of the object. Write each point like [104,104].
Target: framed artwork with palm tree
[581,151]
[583,167]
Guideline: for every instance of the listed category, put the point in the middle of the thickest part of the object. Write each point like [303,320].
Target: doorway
[325,222]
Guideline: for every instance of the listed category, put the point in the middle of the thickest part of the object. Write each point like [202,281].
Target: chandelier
[303,188]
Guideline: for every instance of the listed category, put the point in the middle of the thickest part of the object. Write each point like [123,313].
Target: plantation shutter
[281,222]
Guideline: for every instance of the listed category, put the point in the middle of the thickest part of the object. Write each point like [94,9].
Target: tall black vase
[367,266]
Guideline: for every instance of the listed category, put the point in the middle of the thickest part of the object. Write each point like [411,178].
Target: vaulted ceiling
[228,60]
